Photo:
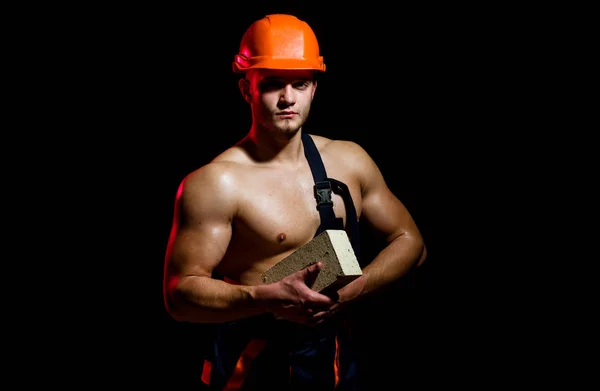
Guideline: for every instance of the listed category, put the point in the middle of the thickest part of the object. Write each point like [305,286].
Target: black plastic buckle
[323,193]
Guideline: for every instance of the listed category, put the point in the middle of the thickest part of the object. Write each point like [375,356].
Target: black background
[424,89]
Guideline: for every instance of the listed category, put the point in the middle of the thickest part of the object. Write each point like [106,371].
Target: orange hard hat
[279,41]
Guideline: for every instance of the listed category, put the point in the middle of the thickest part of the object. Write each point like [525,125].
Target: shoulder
[217,181]
[350,153]
[338,146]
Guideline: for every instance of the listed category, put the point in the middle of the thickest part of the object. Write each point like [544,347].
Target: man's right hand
[293,299]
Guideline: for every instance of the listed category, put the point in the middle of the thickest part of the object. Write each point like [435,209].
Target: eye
[270,85]
[301,85]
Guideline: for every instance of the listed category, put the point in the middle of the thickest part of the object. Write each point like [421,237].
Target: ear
[244,86]
[312,96]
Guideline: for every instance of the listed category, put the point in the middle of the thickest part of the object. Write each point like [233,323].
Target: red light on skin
[173,281]
[171,287]
[179,191]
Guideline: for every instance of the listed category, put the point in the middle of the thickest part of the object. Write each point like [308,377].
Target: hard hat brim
[242,64]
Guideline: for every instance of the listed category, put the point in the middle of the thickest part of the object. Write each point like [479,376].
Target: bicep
[201,230]
[381,208]
[197,248]
[386,213]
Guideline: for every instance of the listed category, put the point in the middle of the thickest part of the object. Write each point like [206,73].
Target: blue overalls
[263,354]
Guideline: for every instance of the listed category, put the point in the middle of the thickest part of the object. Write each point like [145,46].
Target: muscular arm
[382,210]
[201,231]
[405,247]
[205,206]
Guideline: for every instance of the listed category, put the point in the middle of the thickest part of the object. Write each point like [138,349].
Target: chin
[287,127]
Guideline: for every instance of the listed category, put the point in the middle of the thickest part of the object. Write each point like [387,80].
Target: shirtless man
[255,204]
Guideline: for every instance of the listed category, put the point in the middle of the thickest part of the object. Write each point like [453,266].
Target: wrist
[260,297]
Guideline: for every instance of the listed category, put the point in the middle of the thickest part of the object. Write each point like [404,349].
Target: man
[255,204]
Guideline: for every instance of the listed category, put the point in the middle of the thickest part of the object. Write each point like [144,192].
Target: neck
[282,148]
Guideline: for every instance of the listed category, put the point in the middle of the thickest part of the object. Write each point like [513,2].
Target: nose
[287,97]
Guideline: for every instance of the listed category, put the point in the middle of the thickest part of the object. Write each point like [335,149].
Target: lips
[286,114]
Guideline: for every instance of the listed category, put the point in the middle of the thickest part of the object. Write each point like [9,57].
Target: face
[280,100]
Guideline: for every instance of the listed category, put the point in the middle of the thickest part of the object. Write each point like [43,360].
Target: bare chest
[277,213]
[281,210]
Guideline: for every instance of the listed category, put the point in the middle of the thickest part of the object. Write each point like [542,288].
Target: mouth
[286,114]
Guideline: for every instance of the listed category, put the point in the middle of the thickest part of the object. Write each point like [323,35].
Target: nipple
[281,237]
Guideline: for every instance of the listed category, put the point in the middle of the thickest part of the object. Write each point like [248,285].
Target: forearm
[393,262]
[207,300]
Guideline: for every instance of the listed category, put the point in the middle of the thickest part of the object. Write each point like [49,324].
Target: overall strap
[323,189]
[352,220]
[322,186]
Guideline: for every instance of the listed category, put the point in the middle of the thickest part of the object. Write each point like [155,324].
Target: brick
[333,248]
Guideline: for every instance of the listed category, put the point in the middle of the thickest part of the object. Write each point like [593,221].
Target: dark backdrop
[414,86]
